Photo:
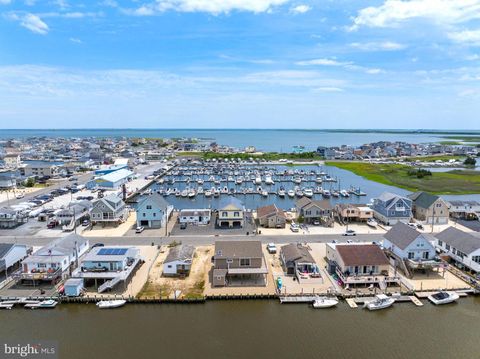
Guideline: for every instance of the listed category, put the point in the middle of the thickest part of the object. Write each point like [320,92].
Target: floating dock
[298,299]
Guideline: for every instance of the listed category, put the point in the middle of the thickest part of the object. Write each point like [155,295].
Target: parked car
[98,245]
[85,223]
[183,226]
[271,248]
[139,229]
[52,224]
[316,222]
[350,232]
[294,227]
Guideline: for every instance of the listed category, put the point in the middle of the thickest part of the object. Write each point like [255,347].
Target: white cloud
[76,40]
[300,9]
[35,24]
[378,46]
[328,89]
[322,62]
[5,2]
[394,12]
[109,3]
[473,57]
[209,6]
[468,37]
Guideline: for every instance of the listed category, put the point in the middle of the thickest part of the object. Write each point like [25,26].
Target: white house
[461,247]
[408,243]
[11,254]
[196,216]
[178,261]
[153,211]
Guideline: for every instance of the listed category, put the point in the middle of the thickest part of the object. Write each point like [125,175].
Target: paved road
[198,240]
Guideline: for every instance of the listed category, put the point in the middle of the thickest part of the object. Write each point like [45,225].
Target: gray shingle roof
[238,249]
[182,252]
[295,252]
[401,235]
[423,199]
[5,248]
[156,199]
[460,240]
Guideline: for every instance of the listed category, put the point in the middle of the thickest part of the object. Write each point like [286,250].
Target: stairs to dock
[109,284]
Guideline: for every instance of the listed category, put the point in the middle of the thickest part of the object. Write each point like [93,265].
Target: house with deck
[106,267]
[52,262]
[468,210]
[231,213]
[429,208]
[314,211]
[360,265]
[353,212]
[391,208]
[410,247]
[179,261]
[109,209]
[297,261]
[461,247]
[239,263]
[153,211]
[271,217]
[195,216]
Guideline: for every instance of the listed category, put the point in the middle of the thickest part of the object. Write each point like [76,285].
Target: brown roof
[306,202]
[361,254]
[238,249]
[270,210]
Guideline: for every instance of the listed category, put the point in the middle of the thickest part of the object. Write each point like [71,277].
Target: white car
[139,229]
[294,227]
[271,248]
[350,232]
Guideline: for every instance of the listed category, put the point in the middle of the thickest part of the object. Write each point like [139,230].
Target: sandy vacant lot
[437,280]
[336,229]
[192,286]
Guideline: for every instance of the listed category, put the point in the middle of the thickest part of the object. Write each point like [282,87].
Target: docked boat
[344,193]
[299,193]
[269,180]
[308,192]
[200,181]
[335,194]
[281,193]
[258,180]
[224,190]
[44,304]
[184,193]
[381,301]
[110,304]
[372,223]
[4,305]
[291,193]
[200,190]
[264,193]
[192,194]
[443,297]
[208,193]
[239,180]
[325,302]
[319,180]
[297,180]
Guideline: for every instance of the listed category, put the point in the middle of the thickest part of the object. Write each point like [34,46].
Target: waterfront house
[153,211]
[231,213]
[353,212]
[271,216]
[391,208]
[312,210]
[50,262]
[11,254]
[429,208]
[105,267]
[463,248]
[416,250]
[359,265]
[178,261]
[109,209]
[12,160]
[469,210]
[78,210]
[297,261]
[41,169]
[11,218]
[195,216]
[239,263]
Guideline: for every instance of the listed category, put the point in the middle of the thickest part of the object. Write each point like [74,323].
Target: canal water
[346,179]
[252,329]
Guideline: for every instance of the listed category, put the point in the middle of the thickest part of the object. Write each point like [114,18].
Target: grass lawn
[433,158]
[451,182]
[267,156]
[473,139]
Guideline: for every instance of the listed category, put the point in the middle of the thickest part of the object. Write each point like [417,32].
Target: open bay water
[278,140]
[252,329]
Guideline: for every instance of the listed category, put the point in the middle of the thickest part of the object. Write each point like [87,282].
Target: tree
[470,161]
[30,182]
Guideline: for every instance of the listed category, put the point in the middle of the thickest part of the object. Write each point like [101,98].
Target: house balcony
[423,263]
[379,278]
[38,275]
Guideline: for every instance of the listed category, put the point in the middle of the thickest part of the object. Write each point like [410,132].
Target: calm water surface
[252,329]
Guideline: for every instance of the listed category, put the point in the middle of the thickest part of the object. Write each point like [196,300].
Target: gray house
[391,208]
[312,211]
[239,263]
[429,208]
[179,260]
[296,259]
[153,211]
[109,209]
[10,218]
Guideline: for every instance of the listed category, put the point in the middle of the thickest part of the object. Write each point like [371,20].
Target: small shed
[73,287]
[178,261]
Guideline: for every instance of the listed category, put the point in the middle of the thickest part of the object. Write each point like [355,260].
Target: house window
[144,214]
[149,207]
[224,214]
[476,259]
[42,265]
[169,266]
[229,261]
[440,243]
[154,214]
[411,255]
[236,214]
[245,262]
[447,247]
[425,255]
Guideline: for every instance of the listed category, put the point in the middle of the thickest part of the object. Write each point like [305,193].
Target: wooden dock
[298,299]
[416,301]
[351,302]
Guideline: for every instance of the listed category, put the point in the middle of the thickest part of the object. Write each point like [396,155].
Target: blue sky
[240,64]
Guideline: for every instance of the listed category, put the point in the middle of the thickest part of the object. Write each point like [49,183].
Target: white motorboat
[45,304]
[224,190]
[184,193]
[299,193]
[372,223]
[381,301]
[264,193]
[325,302]
[326,193]
[269,180]
[200,181]
[291,193]
[344,193]
[443,297]
[200,190]
[192,193]
[239,180]
[281,193]
[308,192]
[208,193]
[297,180]
[109,304]
[258,180]
[319,180]
[6,305]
